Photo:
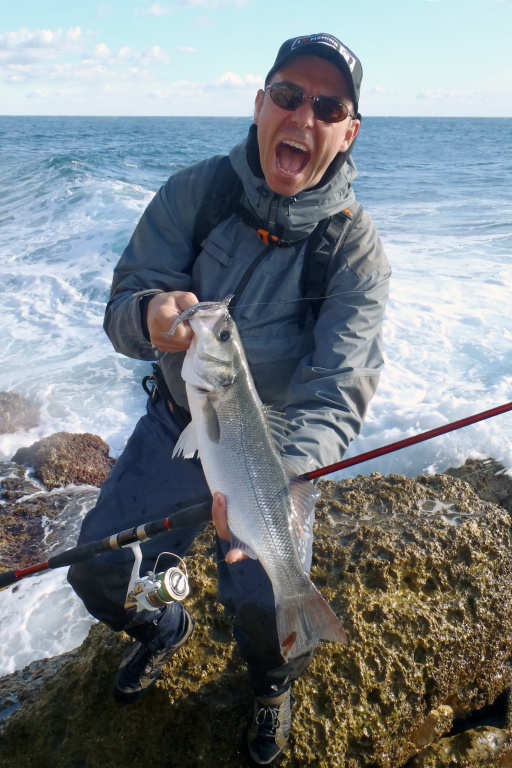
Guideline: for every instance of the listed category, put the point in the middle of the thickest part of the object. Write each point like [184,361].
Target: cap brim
[322,52]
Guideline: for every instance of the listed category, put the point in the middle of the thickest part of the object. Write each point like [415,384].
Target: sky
[209,57]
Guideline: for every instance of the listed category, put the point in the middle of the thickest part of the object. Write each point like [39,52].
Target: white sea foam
[448,327]
[40,617]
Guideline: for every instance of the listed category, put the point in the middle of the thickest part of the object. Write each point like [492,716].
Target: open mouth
[292,157]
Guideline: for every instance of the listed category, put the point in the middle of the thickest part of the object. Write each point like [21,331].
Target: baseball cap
[326,47]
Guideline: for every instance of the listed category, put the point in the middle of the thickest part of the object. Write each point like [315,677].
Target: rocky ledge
[420,573]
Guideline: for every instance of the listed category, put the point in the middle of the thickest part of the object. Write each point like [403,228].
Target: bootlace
[142,662]
[268,719]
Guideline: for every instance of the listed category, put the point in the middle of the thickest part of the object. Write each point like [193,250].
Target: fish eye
[224,336]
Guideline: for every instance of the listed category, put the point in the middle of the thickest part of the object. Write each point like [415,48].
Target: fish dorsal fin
[278,425]
[187,443]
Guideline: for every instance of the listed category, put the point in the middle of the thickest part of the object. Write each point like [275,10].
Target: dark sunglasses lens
[329,110]
[286,95]
[291,97]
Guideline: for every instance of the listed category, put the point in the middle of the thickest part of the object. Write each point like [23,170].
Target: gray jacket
[322,377]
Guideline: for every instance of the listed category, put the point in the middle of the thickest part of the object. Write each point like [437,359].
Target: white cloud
[126,55]
[429,95]
[26,45]
[377,90]
[45,94]
[101,51]
[157,10]
[449,97]
[231,80]
[49,55]
[154,54]
[74,71]
[16,73]
[74,34]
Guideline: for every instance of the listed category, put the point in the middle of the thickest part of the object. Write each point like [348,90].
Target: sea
[72,190]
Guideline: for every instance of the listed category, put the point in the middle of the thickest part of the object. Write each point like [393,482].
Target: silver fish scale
[240,460]
[245,466]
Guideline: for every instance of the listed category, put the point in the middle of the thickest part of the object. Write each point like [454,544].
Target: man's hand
[220,520]
[162,311]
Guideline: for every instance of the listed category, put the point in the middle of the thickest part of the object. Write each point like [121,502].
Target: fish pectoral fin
[211,421]
[187,443]
[236,543]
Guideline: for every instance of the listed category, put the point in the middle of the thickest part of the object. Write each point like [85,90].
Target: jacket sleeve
[158,258]
[329,394]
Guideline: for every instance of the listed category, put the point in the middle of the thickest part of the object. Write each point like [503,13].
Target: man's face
[295,148]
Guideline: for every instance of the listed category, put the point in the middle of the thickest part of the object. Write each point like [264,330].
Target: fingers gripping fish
[266,507]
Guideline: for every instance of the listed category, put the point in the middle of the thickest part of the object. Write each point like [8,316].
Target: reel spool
[154,591]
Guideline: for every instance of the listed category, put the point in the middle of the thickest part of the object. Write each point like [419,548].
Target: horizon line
[250,117]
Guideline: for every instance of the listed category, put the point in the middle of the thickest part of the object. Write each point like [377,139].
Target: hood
[292,217]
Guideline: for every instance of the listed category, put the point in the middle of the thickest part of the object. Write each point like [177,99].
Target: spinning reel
[156,589]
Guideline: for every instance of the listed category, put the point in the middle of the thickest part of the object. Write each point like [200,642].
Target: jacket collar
[292,217]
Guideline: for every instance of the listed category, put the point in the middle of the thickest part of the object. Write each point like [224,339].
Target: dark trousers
[147,484]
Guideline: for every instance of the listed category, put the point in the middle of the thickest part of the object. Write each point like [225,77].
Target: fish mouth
[292,157]
[203,306]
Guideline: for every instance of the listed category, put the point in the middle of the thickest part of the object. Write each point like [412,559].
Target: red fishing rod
[201,512]
[419,438]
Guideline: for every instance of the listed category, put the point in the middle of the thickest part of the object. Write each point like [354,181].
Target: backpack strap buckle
[267,238]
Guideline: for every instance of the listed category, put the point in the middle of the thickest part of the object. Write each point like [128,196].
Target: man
[321,372]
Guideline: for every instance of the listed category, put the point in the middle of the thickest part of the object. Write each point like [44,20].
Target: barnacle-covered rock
[420,573]
[65,458]
[32,518]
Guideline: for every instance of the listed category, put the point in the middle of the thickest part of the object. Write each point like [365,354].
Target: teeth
[295,145]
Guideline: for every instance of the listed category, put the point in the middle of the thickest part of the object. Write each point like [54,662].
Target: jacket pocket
[213,251]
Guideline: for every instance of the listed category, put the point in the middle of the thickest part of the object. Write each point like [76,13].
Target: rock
[488,478]
[419,571]
[22,512]
[482,746]
[59,462]
[65,458]
[25,511]
[17,413]
[23,688]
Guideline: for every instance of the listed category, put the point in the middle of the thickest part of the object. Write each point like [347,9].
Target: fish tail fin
[302,621]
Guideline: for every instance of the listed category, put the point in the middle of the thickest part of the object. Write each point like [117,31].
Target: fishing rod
[201,512]
[419,438]
[195,515]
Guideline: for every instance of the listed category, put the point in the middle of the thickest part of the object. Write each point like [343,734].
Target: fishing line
[290,301]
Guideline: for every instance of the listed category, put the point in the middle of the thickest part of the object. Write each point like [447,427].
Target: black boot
[270,728]
[142,664]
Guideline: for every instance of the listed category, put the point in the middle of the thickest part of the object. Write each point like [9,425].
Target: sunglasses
[289,96]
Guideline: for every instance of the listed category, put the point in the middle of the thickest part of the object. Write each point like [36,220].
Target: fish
[237,439]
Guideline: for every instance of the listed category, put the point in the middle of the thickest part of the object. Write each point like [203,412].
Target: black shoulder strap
[323,246]
[219,202]
[222,198]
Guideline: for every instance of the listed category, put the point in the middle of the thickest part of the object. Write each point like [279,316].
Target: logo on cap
[327,40]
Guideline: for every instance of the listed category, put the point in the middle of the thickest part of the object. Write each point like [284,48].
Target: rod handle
[8,578]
